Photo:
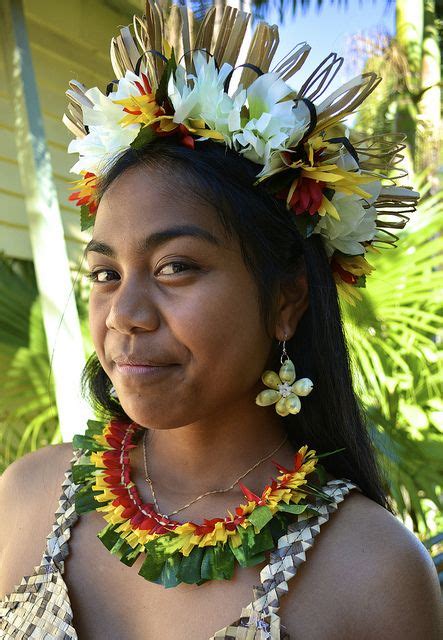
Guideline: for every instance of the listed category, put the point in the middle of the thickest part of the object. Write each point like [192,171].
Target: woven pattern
[260,620]
[40,607]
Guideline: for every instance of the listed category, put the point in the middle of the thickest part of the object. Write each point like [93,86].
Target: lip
[138,361]
[143,369]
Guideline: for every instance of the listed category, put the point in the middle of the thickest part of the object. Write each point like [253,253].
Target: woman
[202,282]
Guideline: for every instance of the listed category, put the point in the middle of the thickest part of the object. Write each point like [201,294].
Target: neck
[211,454]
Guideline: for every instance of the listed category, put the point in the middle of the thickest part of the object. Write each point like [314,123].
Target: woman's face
[172,294]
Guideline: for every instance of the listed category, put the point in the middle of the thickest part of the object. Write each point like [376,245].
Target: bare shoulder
[366,571]
[29,491]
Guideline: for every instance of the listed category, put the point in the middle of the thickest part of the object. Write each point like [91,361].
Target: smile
[144,369]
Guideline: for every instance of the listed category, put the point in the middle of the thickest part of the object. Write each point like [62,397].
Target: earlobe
[292,304]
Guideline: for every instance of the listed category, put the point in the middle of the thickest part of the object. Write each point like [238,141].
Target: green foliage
[86,219]
[397,362]
[28,412]
[28,416]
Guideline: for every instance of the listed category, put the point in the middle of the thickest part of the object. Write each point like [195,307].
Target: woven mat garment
[40,606]
[260,619]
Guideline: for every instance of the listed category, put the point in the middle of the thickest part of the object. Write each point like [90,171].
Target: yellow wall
[68,40]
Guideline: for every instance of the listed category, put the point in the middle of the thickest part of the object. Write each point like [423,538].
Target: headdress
[175,78]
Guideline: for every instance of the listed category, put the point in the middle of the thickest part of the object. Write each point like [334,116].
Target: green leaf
[321,473]
[144,137]
[94,428]
[190,568]
[109,537]
[84,500]
[85,443]
[329,453]
[81,472]
[124,551]
[361,282]
[260,517]
[164,546]
[278,526]
[217,563]
[253,543]
[245,560]
[170,572]
[86,219]
[306,223]
[161,95]
[130,555]
[152,567]
[292,508]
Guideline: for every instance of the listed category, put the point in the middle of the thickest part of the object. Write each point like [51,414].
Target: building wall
[69,40]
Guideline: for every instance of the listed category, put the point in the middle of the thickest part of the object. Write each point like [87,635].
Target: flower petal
[281,408]
[271,379]
[267,397]
[293,404]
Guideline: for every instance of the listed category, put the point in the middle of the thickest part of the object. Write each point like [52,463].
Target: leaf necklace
[174,551]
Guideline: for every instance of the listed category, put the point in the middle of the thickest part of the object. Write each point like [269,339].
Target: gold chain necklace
[149,481]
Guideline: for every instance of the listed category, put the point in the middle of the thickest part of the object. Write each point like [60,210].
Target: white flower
[126,87]
[106,136]
[345,160]
[356,224]
[271,123]
[275,162]
[100,146]
[202,96]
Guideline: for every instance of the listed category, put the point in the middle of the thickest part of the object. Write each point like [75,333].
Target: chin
[156,416]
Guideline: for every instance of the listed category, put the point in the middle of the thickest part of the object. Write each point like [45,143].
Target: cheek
[223,330]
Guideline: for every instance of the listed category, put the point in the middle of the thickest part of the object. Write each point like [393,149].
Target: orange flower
[86,194]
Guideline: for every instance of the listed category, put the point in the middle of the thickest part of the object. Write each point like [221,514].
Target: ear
[292,303]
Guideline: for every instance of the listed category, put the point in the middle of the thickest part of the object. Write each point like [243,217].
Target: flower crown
[335,182]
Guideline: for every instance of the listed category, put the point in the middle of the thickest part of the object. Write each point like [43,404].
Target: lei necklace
[182,552]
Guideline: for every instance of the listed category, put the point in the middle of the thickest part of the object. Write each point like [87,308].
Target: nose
[133,309]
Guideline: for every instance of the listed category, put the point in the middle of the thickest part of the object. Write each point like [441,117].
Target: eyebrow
[156,239]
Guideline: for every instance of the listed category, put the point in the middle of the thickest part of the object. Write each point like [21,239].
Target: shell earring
[283,391]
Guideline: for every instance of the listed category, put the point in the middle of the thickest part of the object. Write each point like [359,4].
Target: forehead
[142,201]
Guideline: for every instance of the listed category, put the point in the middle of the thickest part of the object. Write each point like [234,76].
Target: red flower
[113,441]
[306,198]
[298,461]
[249,495]
[207,526]
[87,193]
[147,524]
[183,135]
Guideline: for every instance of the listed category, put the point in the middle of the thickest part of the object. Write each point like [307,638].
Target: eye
[101,275]
[173,268]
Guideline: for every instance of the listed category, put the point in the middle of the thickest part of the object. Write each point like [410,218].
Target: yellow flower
[140,109]
[348,292]
[97,459]
[357,265]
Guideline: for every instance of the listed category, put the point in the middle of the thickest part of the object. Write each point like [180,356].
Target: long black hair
[275,252]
